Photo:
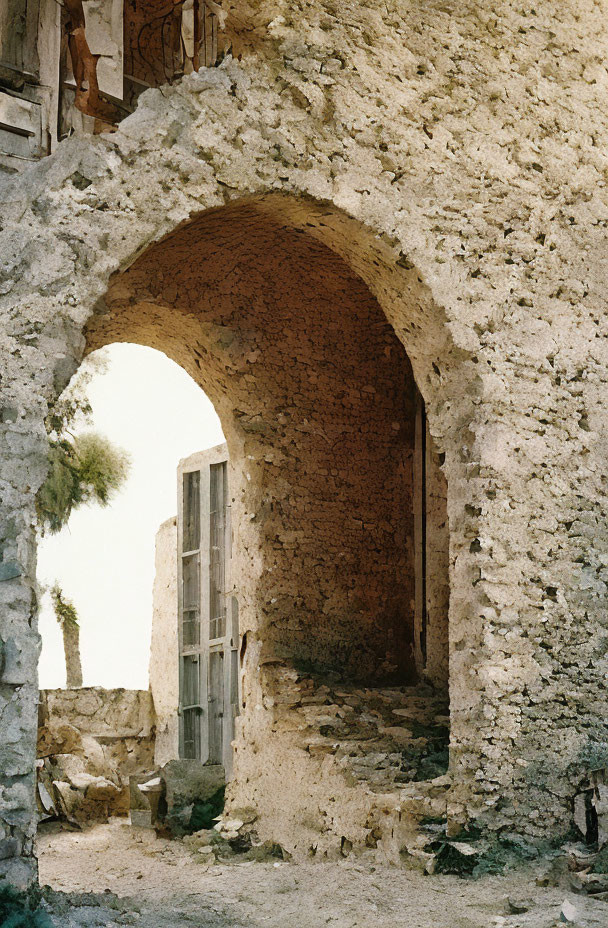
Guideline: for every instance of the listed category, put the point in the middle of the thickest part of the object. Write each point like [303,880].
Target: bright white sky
[104,558]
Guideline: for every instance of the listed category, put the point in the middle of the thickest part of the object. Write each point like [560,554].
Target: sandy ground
[141,880]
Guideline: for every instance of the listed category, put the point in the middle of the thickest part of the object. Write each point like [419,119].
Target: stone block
[77,807]
[65,766]
[96,760]
[59,738]
[97,788]
[144,802]
[9,847]
[193,794]
[18,872]
[141,818]
[187,780]
[139,800]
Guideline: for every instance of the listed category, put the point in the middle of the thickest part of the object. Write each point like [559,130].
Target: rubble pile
[185,799]
[591,808]
[233,839]
[383,737]
[588,872]
[382,749]
[588,863]
[90,741]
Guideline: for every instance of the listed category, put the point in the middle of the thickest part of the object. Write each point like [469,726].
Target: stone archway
[300,362]
[319,407]
[438,273]
[278,253]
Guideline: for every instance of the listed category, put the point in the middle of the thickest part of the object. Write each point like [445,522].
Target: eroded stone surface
[455,160]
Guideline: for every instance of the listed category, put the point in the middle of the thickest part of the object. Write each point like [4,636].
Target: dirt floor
[116,875]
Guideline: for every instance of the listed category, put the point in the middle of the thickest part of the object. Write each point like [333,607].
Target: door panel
[191,525]
[192,670]
[208,611]
[191,706]
[216,707]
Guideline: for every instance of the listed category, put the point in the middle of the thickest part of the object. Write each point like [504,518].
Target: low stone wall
[90,741]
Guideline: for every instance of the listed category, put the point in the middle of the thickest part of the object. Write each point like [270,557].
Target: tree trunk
[71,648]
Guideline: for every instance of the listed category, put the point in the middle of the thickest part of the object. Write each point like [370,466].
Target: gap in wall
[104,559]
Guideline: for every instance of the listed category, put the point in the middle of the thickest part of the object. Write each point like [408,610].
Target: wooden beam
[88,98]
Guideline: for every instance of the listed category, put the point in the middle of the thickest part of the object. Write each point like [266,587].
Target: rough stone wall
[108,715]
[437,569]
[364,766]
[164,651]
[454,157]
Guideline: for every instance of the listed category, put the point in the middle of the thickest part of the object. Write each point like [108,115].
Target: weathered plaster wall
[164,652]
[457,159]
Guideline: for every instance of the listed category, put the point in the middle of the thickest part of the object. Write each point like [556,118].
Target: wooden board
[19,34]
[20,127]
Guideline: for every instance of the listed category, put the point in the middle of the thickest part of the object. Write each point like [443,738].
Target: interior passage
[318,403]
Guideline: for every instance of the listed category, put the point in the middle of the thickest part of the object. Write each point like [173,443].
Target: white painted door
[209,671]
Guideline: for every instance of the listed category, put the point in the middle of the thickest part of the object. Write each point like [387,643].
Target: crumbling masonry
[376,194]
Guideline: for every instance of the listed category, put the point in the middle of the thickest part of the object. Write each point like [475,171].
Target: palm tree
[83,468]
[67,616]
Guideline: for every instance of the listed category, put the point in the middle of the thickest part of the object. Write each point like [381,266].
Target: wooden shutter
[19,37]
